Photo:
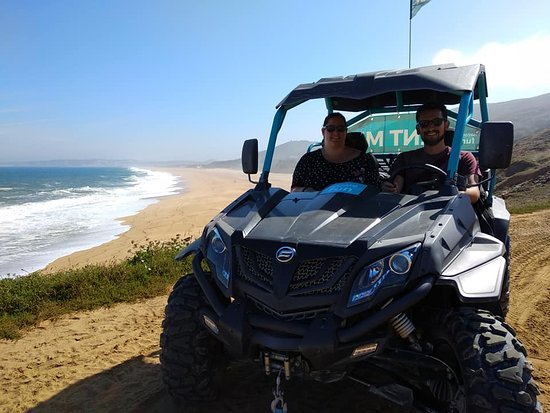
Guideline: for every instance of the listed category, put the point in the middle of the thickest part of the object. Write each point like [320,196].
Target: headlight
[218,255]
[391,270]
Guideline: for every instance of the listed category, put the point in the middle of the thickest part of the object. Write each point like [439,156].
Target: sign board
[396,133]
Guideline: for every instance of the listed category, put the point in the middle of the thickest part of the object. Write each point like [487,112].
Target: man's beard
[431,142]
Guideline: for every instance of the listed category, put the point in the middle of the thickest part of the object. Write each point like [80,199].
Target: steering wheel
[442,175]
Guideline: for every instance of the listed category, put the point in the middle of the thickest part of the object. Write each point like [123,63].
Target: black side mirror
[495,145]
[249,157]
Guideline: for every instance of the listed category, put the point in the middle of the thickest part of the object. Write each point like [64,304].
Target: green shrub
[528,208]
[150,271]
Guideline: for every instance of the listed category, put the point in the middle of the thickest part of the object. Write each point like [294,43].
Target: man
[431,125]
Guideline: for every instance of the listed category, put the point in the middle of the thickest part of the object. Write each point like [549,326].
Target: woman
[334,162]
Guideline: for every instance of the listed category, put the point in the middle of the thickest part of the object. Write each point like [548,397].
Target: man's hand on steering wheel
[389,185]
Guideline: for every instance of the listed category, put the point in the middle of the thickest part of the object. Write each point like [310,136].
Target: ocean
[50,212]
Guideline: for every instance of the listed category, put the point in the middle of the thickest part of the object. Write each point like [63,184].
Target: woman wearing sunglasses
[334,162]
[431,125]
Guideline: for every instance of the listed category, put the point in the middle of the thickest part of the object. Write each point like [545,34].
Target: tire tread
[190,355]
[496,373]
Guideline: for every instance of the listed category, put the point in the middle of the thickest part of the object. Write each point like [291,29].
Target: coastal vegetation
[517,208]
[149,271]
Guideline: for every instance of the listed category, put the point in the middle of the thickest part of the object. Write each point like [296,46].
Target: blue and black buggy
[406,293]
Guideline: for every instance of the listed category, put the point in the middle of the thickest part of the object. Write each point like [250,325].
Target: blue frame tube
[328,104]
[359,117]
[275,128]
[484,108]
[465,112]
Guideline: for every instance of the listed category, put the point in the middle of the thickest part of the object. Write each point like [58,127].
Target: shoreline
[205,192]
[60,211]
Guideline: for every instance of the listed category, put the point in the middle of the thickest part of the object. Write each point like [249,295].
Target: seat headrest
[357,140]
[449,135]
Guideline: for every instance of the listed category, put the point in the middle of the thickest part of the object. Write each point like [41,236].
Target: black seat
[449,135]
[357,140]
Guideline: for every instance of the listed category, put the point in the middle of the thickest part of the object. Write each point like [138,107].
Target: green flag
[417,5]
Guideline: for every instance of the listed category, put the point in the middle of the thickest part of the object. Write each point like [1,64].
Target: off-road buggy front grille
[258,268]
[318,276]
[292,316]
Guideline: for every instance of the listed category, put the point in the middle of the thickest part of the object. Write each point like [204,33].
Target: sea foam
[57,221]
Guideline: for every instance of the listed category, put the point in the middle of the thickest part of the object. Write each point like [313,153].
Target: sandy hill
[527,180]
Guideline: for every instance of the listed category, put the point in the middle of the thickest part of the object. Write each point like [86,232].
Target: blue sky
[180,80]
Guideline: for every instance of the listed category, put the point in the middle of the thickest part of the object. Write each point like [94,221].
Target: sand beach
[106,360]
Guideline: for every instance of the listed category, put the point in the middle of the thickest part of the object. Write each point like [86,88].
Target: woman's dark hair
[431,106]
[334,115]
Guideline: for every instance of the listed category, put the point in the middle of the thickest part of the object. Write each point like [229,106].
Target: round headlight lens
[400,263]
[217,244]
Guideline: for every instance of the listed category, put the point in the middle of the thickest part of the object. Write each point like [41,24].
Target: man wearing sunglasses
[431,125]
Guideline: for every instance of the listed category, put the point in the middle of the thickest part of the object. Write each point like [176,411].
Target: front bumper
[323,341]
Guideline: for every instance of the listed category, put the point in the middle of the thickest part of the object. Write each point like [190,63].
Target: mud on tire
[191,359]
[488,359]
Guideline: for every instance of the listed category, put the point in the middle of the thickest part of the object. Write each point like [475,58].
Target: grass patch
[150,271]
[528,208]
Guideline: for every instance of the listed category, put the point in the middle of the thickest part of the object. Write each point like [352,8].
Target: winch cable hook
[278,405]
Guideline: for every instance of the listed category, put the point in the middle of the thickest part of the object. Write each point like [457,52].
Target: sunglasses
[332,128]
[425,123]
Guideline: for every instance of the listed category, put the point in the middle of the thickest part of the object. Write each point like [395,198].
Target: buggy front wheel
[191,358]
[490,362]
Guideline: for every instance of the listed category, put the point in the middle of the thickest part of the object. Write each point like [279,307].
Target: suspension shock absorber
[402,325]
[405,328]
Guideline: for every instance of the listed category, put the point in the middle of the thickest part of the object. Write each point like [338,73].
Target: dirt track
[530,292]
[107,360]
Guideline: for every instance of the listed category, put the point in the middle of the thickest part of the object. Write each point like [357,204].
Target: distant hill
[528,115]
[527,180]
[284,160]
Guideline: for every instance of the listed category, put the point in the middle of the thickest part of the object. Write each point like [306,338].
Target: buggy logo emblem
[285,254]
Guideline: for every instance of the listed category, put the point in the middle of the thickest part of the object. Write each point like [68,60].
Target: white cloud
[514,70]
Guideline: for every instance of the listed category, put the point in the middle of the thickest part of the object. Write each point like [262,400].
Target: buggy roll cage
[395,91]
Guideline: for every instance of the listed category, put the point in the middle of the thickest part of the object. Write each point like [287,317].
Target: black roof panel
[444,83]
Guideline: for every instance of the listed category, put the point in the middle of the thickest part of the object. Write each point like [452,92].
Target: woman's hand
[388,186]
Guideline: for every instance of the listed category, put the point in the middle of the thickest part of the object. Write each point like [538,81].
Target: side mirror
[495,145]
[249,157]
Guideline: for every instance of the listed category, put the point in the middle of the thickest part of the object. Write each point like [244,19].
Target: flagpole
[414,6]
[410,20]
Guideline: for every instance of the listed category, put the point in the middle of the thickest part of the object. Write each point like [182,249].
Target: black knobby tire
[488,359]
[191,358]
